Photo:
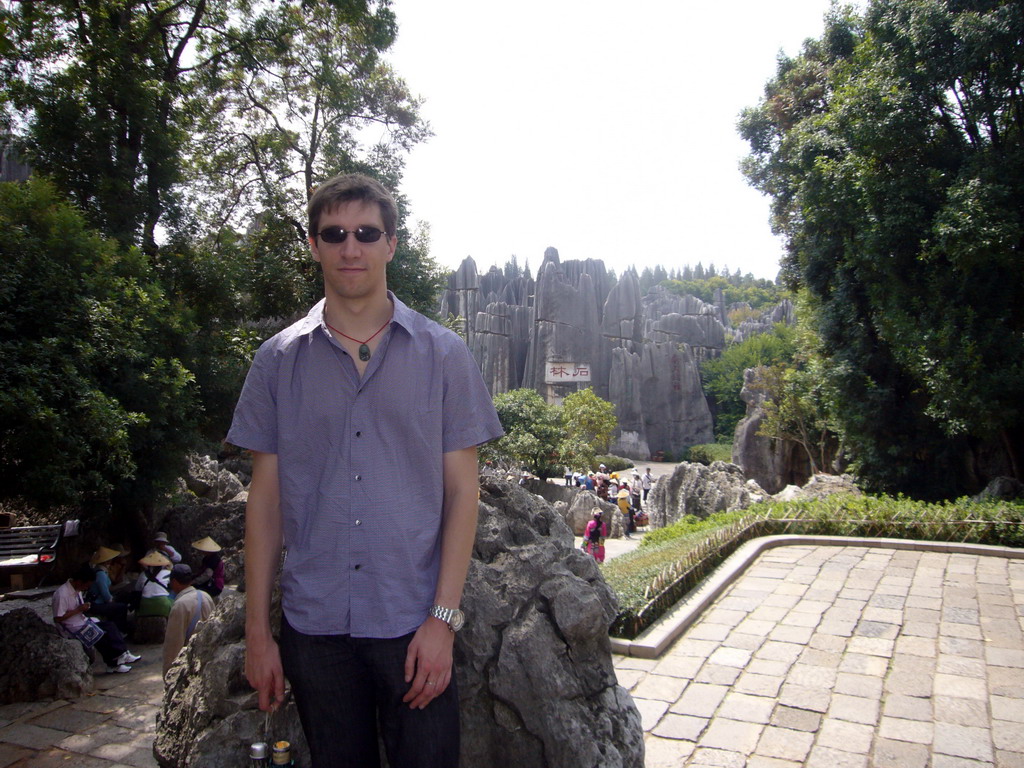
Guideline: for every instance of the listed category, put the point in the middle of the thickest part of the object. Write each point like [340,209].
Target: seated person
[163,546]
[210,578]
[104,606]
[69,615]
[152,586]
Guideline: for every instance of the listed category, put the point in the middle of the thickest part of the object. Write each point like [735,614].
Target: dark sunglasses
[338,235]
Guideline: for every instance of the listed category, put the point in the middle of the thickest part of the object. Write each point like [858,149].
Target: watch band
[453,617]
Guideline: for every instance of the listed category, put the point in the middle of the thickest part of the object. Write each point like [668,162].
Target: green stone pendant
[364,352]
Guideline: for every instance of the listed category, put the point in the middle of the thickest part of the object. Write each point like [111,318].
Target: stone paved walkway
[112,728]
[845,656]
[816,656]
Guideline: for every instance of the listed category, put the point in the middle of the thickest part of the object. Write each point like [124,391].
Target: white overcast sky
[604,129]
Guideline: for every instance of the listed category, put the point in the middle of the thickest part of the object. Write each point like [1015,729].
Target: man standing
[190,607]
[363,389]
[647,482]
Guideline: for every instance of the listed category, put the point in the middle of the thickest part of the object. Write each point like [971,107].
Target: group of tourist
[86,608]
[629,495]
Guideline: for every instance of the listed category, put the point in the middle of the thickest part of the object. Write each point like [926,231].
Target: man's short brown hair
[349,187]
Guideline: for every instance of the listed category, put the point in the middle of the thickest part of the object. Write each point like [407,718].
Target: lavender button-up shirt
[360,465]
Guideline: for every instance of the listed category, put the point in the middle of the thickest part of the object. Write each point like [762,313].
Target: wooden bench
[29,550]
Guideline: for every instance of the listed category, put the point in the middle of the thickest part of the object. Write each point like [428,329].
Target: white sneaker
[127,658]
[120,669]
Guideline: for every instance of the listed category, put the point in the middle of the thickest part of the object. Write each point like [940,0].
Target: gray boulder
[581,511]
[773,463]
[536,680]
[1002,488]
[699,490]
[818,487]
[37,662]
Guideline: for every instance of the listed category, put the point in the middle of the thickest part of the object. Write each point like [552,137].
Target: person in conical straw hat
[210,578]
[101,600]
[153,584]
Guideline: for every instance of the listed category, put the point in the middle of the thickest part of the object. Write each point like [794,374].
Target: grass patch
[672,561]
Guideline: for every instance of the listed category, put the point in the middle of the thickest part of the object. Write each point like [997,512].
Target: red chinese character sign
[557,372]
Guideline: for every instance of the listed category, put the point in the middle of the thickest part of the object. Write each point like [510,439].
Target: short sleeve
[469,417]
[254,425]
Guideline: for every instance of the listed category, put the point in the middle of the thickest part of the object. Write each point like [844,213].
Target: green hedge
[705,453]
[672,561]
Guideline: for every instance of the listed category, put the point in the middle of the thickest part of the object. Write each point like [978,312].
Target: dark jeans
[341,685]
[115,612]
[112,644]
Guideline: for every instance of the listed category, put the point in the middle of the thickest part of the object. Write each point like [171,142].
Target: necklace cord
[357,341]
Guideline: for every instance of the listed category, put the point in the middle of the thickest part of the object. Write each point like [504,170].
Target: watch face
[457,620]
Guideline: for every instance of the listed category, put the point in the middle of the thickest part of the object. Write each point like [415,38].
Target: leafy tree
[588,423]
[95,407]
[893,150]
[722,377]
[533,430]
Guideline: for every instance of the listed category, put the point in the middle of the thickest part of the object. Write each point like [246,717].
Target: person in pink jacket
[594,536]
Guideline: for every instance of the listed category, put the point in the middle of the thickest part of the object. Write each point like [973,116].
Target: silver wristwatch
[453,617]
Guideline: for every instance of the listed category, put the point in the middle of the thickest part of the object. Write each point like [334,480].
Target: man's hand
[264,672]
[428,663]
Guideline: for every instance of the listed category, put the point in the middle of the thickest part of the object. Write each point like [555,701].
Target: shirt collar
[402,315]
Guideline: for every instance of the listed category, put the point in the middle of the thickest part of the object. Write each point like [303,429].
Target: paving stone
[717,674]
[900,729]
[58,758]
[732,735]
[910,683]
[102,703]
[863,664]
[1007,708]
[720,758]
[858,685]
[965,631]
[758,761]
[730,657]
[827,757]
[665,753]
[785,744]
[916,646]
[142,717]
[743,641]
[627,678]
[661,687]
[796,719]
[70,720]
[700,700]
[948,761]
[920,629]
[769,668]
[963,741]
[810,676]
[727,617]
[1005,657]
[683,727]
[899,754]
[871,646]
[1007,735]
[774,650]
[814,699]
[679,666]
[844,735]
[1006,682]
[855,709]
[635,662]
[823,657]
[956,711]
[651,711]
[708,631]
[759,685]
[756,627]
[960,687]
[790,634]
[10,753]
[908,707]
[31,736]
[742,706]
[957,665]
[958,646]
[1006,759]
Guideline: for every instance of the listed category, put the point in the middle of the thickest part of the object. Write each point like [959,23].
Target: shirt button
[359,434]
[359,522]
[358,567]
[359,477]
